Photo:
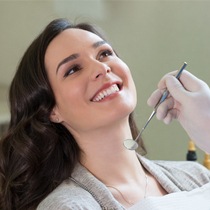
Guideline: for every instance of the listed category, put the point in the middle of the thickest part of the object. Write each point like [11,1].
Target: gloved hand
[188,102]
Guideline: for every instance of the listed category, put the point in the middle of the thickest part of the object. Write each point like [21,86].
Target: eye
[105,53]
[72,70]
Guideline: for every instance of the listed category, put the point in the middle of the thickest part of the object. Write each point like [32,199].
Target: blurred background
[153,37]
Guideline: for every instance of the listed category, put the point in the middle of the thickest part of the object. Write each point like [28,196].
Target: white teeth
[113,89]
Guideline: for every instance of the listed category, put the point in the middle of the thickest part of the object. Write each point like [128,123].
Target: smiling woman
[38,152]
[91,71]
[72,101]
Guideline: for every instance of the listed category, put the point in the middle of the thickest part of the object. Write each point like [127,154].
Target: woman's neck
[105,156]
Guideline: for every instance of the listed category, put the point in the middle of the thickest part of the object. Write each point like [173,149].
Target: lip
[106,86]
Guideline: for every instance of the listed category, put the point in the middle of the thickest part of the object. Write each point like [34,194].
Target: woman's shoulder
[177,175]
[191,173]
[69,195]
[185,167]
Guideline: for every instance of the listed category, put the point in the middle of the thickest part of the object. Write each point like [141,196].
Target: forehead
[74,37]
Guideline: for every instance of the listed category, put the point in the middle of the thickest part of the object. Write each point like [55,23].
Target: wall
[153,37]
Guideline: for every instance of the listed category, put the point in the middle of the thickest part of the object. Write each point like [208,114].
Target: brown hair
[36,155]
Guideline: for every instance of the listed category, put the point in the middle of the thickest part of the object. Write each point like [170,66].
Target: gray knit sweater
[83,191]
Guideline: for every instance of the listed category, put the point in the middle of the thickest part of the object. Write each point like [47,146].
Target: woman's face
[93,87]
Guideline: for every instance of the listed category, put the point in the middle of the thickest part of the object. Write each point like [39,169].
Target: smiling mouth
[107,92]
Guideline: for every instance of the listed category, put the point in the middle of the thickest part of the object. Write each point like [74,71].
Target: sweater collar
[100,192]
[95,187]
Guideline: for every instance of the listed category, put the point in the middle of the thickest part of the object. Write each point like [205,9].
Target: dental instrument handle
[166,92]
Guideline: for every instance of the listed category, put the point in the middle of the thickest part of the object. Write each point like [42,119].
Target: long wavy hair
[36,155]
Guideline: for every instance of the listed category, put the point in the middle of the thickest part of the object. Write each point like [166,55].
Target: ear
[55,116]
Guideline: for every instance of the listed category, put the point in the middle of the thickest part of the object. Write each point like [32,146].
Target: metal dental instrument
[131,144]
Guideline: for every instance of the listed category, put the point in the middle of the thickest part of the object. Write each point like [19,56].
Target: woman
[72,100]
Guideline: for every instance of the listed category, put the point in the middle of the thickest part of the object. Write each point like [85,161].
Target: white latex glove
[188,102]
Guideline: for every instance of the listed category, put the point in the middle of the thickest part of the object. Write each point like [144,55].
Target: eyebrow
[76,55]
[67,59]
[99,43]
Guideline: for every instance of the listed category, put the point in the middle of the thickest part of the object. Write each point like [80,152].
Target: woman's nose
[100,70]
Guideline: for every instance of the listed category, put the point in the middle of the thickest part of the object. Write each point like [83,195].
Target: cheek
[122,68]
[130,95]
[129,82]
[125,73]
[71,108]
[70,98]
